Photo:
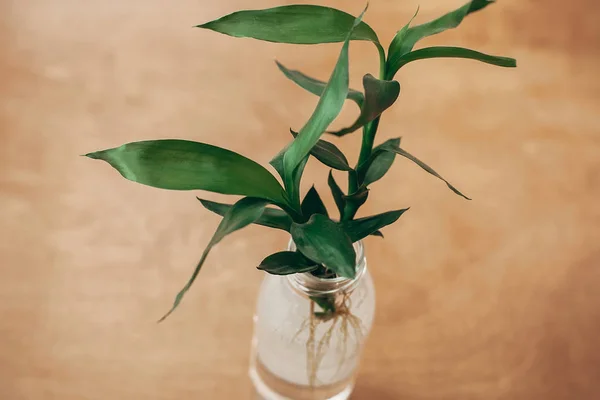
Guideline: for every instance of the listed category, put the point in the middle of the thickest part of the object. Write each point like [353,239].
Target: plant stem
[367,142]
[350,208]
[356,176]
[326,303]
[382,66]
[294,213]
[368,139]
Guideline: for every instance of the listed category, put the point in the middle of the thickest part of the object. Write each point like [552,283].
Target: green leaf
[390,142]
[277,163]
[338,195]
[378,234]
[243,213]
[287,262]
[455,52]
[329,106]
[328,154]
[312,204]
[324,242]
[380,162]
[291,186]
[184,165]
[316,86]
[294,24]
[380,165]
[271,217]
[399,39]
[421,164]
[361,228]
[379,96]
[407,37]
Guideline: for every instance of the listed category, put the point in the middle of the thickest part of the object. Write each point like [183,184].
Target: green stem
[327,304]
[350,212]
[368,139]
[293,212]
[382,65]
[349,208]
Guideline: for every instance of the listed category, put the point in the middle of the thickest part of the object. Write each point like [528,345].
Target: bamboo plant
[324,242]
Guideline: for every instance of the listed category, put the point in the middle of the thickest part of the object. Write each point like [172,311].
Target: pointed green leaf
[421,164]
[287,262]
[329,106]
[271,217]
[379,96]
[295,24]
[277,162]
[338,195]
[378,234]
[358,229]
[324,241]
[243,213]
[379,167]
[455,52]
[184,165]
[380,162]
[291,186]
[316,86]
[407,37]
[399,39]
[390,142]
[329,154]
[312,204]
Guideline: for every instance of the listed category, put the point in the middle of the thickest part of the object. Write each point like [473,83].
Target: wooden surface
[497,298]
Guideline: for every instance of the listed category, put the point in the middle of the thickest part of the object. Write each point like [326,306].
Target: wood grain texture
[496,298]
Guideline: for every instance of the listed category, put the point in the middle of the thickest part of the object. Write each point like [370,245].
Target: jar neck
[314,286]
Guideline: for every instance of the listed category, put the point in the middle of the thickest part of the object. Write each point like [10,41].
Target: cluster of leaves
[324,244]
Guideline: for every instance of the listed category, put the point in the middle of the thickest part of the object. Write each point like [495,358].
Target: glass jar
[309,333]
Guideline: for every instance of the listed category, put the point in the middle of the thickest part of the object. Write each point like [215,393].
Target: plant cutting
[316,304]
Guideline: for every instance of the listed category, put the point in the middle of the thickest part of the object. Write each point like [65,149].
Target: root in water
[348,325]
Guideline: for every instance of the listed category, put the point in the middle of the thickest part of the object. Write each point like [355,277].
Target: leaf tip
[206,25]
[96,155]
[378,233]
[455,190]
[165,316]
[204,203]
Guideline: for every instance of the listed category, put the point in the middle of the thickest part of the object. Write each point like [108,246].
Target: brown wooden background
[497,298]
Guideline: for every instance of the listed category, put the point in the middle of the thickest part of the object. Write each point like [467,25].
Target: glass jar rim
[315,286]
